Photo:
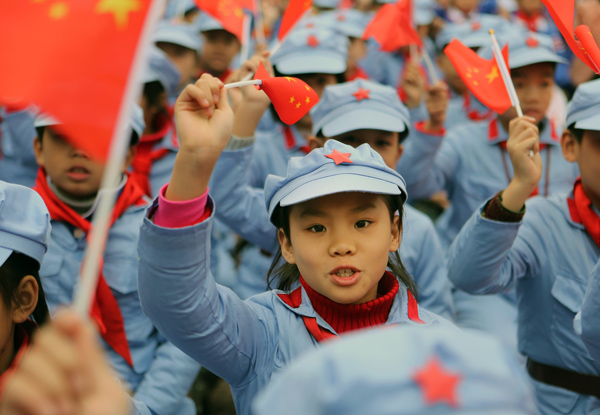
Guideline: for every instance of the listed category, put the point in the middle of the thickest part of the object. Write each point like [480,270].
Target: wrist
[433,126]
[515,195]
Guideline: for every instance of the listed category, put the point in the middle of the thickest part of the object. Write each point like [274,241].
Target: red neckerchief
[23,336]
[473,114]
[290,141]
[105,309]
[582,211]
[529,21]
[145,155]
[357,73]
[294,299]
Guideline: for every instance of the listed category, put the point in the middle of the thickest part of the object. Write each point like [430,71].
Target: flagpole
[243,83]
[259,28]
[514,98]
[113,169]
[429,65]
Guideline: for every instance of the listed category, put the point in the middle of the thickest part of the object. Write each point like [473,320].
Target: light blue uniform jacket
[18,164]
[242,207]
[590,315]
[469,166]
[161,375]
[244,342]
[550,259]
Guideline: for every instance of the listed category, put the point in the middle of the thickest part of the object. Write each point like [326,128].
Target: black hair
[576,132]
[14,269]
[288,274]
[135,138]
[401,136]
[152,92]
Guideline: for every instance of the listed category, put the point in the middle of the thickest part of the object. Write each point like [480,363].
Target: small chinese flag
[72,59]
[291,97]
[294,12]
[481,76]
[230,13]
[563,14]
[392,27]
[589,45]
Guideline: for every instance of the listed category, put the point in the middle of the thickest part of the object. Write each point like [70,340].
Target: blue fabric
[161,375]
[549,258]
[590,324]
[244,342]
[18,164]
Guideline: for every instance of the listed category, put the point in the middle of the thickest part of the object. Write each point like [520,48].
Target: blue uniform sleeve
[590,310]
[239,205]
[232,338]
[138,408]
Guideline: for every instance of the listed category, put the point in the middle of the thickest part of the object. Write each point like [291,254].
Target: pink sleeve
[170,214]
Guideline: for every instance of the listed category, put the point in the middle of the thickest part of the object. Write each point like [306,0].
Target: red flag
[563,14]
[291,97]
[230,13]
[294,11]
[589,45]
[73,59]
[481,76]
[392,27]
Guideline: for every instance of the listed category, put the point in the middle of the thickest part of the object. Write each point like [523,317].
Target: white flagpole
[243,83]
[259,28]
[112,172]
[245,52]
[514,98]
[429,65]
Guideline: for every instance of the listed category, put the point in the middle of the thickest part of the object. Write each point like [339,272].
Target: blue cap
[174,8]
[475,33]
[205,23]
[584,108]
[403,370]
[424,12]
[335,168]
[526,48]
[161,69]
[315,50]
[349,22]
[326,4]
[24,222]
[178,33]
[359,105]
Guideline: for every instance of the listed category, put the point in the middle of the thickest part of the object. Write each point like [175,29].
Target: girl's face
[341,244]
[534,85]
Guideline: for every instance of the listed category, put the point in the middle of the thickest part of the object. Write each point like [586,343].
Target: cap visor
[362,119]
[340,183]
[311,62]
[532,56]
[591,123]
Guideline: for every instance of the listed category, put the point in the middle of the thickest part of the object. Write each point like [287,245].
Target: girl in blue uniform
[336,242]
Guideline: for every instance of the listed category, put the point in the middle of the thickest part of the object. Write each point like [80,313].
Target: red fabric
[420,126]
[392,27]
[582,211]
[348,317]
[481,76]
[590,46]
[79,79]
[294,12]
[290,141]
[291,97]
[230,13]
[172,214]
[23,337]
[357,73]
[437,384]
[105,309]
[529,21]
[473,114]
[563,14]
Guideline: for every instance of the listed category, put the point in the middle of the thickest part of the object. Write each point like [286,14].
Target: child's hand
[413,84]
[64,373]
[249,94]
[436,100]
[523,138]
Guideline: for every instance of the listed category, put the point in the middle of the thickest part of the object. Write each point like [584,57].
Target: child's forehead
[544,69]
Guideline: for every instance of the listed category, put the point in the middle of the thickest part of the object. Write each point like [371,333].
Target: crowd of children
[238,243]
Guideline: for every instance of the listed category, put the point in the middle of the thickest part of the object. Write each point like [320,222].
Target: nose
[80,153]
[342,245]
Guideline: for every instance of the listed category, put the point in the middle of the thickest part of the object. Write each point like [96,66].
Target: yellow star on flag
[290,79]
[307,87]
[119,8]
[492,75]
[58,10]
[308,100]
[298,105]
[238,12]
[292,99]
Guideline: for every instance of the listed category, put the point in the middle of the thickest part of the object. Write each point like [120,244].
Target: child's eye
[362,224]
[383,143]
[317,228]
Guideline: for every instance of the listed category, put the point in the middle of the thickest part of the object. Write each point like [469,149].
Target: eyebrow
[320,214]
[362,208]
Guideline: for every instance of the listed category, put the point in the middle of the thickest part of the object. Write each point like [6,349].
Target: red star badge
[437,384]
[362,94]
[476,26]
[309,25]
[341,18]
[339,158]
[532,43]
[312,41]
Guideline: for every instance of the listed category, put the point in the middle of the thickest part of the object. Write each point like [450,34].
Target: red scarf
[23,335]
[105,309]
[290,141]
[582,211]
[145,155]
[357,73]
[529,21]
[348,317]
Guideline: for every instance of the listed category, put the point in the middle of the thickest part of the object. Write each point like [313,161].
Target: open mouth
[345,275]
[78,173]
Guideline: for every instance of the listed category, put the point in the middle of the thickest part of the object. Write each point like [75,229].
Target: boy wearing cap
[548,254]
[69,182]
[219,48]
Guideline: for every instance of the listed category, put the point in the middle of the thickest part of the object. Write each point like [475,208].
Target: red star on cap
[310,25]
[339,158]
[532,43]
[341,17]
[312,41]
[476,26]
[362,94]
[437,384]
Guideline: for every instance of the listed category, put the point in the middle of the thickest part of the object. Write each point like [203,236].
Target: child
[68,180]
[439,371]
[548,254]
[219,49]
[24,237]
[338,240]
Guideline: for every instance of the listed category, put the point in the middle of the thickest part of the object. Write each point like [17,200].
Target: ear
[37,150]
[27,295]
[570,146]
[287,251]
[129,158]
[315,142]
[396,235]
